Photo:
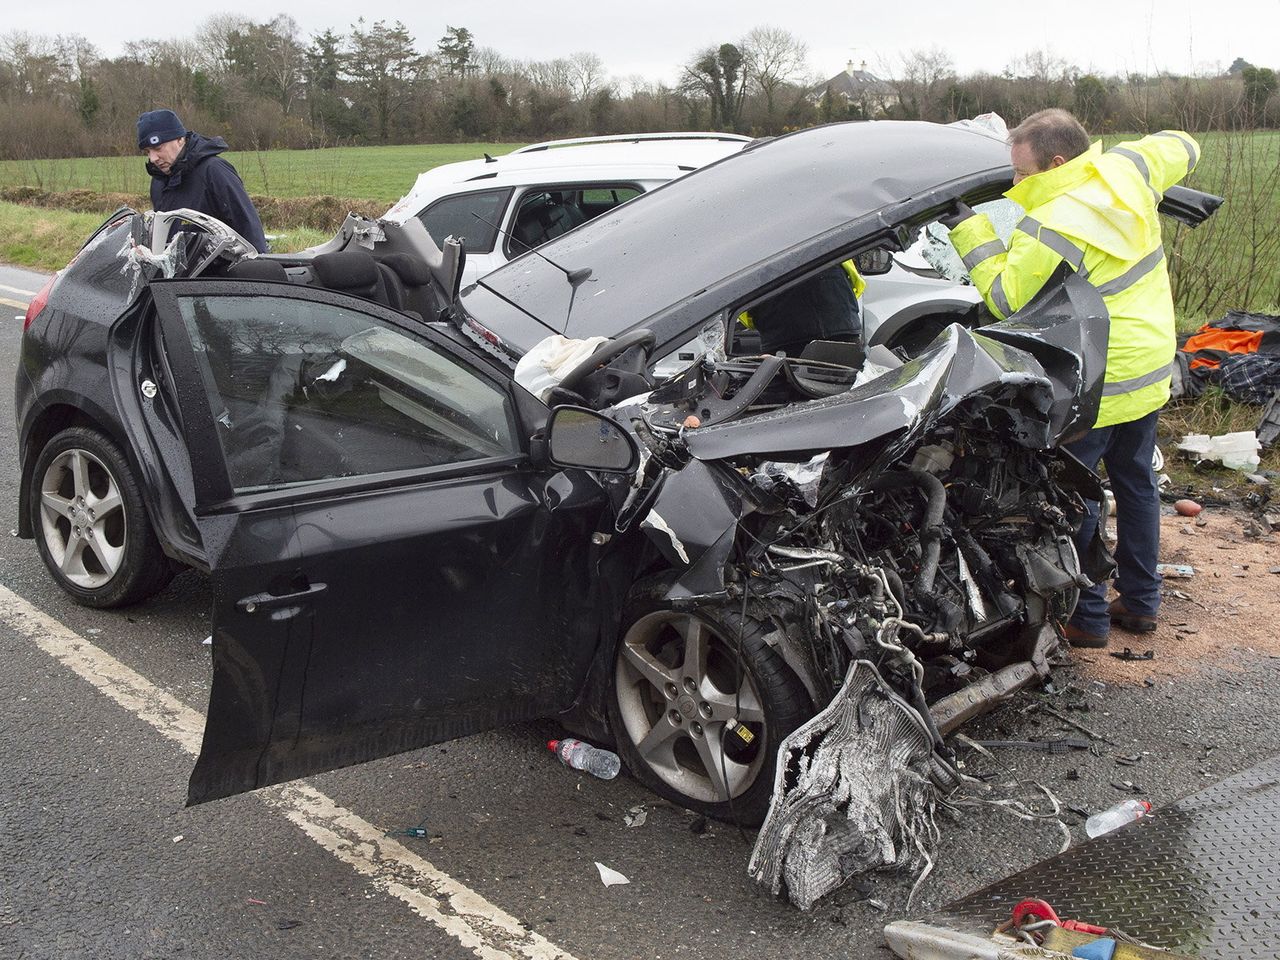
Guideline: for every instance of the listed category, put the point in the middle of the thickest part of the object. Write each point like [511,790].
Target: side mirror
[578,437]
[873,263]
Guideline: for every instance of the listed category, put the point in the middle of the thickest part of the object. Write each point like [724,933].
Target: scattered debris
[287,924]
[1188,508]
[1126,786]
[1236,451]
[636,816]
[1059,746]
[1256,528]
[256,902]
[208,641]
[1177,571]
[1129,760]
[1092,734]
[1187,530]
[179,838]
[1273,569]
[1128,654]
[610,877]
[698,826]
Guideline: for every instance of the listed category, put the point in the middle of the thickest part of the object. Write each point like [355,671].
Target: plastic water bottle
[1123,812]
[583,756]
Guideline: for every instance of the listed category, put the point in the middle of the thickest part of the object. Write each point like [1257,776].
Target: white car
[502,206]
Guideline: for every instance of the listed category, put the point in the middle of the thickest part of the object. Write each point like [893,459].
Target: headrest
[410,270]
[255,268]
[345,270]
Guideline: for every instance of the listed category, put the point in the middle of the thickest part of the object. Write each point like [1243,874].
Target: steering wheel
[607,351]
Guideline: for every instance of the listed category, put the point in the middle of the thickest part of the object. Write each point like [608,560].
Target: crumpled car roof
[688,248]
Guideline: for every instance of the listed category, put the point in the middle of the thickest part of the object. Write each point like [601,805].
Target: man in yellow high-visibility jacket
[1096,210]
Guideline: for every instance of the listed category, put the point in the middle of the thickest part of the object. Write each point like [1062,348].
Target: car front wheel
[90,523]
[699,703]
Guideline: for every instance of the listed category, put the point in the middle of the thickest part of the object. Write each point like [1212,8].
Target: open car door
[387,572]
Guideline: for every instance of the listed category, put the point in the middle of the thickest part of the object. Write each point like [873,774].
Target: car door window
[303,391]
[547,212]
[472,218]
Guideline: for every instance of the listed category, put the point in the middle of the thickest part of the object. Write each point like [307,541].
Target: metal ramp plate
[1199,877]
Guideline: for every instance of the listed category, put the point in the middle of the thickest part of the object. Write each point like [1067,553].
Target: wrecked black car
[407,546]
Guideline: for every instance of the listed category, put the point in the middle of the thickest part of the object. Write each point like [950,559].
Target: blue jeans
[1125,449]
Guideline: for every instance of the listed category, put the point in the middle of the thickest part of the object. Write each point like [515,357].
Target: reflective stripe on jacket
[1098,213]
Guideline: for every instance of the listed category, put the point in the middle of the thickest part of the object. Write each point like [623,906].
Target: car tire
[680,731]
[90,524]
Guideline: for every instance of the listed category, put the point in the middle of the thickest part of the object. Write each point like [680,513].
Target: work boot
[1133,622]
[1078,638]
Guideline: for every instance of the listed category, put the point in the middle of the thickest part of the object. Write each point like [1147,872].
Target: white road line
[487,931]
[20,292]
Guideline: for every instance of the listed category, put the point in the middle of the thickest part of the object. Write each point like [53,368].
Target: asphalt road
[99,858]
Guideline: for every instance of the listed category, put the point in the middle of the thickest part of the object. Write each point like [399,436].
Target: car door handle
[269,601]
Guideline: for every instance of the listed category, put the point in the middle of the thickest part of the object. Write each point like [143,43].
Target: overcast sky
[654,37]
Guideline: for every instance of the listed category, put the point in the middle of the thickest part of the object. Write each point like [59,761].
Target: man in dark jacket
[187,173]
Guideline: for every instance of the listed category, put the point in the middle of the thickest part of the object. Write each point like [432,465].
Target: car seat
[353,272]
[255,268]
[414,277]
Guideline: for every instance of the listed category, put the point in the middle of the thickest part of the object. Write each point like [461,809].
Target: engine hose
[931,533]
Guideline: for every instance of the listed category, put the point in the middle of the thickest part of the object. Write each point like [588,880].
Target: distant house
[857,87]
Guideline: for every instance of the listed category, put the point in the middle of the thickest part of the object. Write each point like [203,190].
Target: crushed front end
[909,541]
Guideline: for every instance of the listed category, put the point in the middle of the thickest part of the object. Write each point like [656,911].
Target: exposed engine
[939,569]
[941,561]
[912,581]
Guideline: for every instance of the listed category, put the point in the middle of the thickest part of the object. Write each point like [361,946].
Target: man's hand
[958,214]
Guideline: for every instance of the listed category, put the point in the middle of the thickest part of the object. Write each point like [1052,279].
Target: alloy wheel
[690,706]
[82,518]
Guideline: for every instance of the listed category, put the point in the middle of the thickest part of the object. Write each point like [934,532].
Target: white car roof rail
[633,137]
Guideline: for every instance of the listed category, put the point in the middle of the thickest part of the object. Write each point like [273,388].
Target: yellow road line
[13,303]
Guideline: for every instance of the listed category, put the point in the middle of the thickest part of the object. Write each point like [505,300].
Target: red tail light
[39,301]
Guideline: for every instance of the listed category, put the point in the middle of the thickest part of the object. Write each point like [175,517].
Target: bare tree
[586,75]
[214,41]
[486,61]
[921,81]
[774,58]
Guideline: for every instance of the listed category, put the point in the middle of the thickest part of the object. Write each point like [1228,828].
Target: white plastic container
[1126,811]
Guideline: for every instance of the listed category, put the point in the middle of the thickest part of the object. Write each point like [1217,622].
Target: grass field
[372,173]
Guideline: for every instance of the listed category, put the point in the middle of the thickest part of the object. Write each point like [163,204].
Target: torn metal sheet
[692,521]
[854,791]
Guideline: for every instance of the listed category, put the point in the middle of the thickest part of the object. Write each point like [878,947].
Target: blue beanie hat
[159,126]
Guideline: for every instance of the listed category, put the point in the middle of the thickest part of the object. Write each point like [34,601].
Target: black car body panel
[365,614]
